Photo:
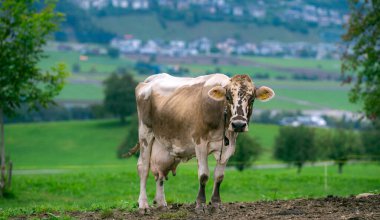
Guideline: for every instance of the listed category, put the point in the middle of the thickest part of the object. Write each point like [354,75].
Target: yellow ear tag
[216,93]
[264,95]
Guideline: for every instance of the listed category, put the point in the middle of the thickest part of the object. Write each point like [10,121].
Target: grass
[106,189]
[326,65]
[58,144]
[72,166]
[197,69]
[94,65]
[83,143]
[81,92]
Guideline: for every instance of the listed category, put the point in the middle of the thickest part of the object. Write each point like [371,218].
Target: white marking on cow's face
[240,96]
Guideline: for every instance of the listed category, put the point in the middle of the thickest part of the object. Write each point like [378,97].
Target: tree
[295,145]
[24,27]
[247,151]
[362,54]
[120,95]
[371,141]
[344,144]
[113,52]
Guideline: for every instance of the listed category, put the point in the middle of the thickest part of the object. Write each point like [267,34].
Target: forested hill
[99,21]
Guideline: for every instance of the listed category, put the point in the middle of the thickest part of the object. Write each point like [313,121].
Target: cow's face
[240,96]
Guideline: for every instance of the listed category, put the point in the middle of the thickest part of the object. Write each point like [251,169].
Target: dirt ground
[330,207]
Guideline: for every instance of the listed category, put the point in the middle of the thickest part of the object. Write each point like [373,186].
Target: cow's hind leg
[146,140]
[203,174]
[218,178]
[159,199]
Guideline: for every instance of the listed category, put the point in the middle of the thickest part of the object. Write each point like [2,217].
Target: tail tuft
[132,151]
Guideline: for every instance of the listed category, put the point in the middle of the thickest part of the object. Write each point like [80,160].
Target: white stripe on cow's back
[165,84]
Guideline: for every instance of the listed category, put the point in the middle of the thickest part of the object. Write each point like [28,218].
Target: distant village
[130,45]
[287,11]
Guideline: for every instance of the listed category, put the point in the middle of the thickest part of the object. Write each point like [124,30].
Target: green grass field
[85,143]
[291,94]
[197,69]
[117,187]
[94,64]
[326,65]
[81,92]
[63,166]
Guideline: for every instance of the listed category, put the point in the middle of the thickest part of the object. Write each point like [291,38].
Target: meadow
[71,166]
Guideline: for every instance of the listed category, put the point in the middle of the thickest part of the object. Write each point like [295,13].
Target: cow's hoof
[200,208]
[160,204]
[217,207]
[162,207]
[144,207]
[144,211]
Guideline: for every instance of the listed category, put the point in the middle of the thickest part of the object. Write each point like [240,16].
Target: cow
[181,118]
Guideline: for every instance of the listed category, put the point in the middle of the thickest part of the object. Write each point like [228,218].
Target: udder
[161,162]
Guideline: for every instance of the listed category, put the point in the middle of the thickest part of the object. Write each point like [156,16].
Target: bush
[247,151]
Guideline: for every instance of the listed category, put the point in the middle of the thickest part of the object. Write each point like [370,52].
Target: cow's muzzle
[239,126]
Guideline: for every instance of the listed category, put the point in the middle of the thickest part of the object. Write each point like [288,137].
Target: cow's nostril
[238,125]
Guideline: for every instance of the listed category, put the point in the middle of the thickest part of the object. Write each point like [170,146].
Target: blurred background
[309,141]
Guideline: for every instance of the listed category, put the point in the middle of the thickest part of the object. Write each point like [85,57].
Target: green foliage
[23,32]
[247,151]
[131,138]
[371,142]
[295,145]
[343,144]
[120,95]
[363,54]
[79,22]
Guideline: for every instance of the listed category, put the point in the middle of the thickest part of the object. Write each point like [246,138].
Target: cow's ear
[217,93]
[264,93]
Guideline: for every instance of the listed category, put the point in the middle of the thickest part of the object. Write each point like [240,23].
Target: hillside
[252,21]
[136,24]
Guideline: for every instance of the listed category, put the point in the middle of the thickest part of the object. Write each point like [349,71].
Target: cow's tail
[132,151]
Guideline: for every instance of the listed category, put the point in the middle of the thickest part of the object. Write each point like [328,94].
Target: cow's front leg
[218,178]
[203,174]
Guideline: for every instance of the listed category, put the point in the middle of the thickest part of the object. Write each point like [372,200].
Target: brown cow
[180,118]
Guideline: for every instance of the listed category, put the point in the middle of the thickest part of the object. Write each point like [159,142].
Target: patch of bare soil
[330,207]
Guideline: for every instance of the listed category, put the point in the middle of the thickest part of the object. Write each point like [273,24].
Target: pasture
[291,94]
[71,166]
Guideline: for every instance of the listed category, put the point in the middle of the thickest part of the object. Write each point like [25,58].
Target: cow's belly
[180,150]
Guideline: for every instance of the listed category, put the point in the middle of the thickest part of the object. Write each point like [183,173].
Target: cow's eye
[228,97]
[251,100]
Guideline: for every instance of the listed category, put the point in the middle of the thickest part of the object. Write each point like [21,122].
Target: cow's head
[240,95]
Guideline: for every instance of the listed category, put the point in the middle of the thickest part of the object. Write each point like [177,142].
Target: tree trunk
[299,167]
[2,154]
[122,119]
[340,168]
